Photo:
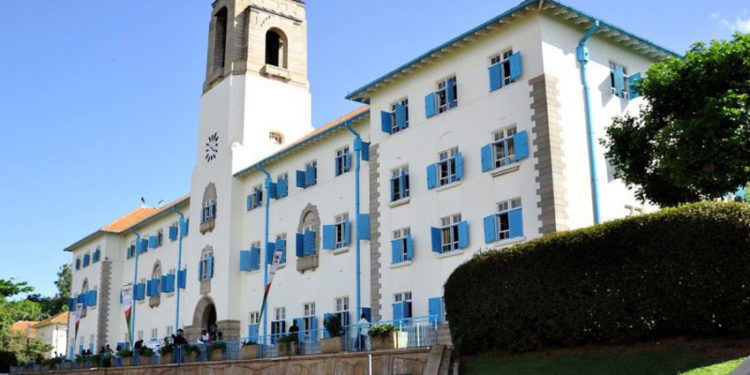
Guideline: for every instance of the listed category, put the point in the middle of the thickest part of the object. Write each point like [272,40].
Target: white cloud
[741,22]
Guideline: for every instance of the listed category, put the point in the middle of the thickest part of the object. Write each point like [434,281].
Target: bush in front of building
[677,272]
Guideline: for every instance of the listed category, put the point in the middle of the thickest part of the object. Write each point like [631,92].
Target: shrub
[680,271]
[218,346]
[333,325]
[382,330]
[146,352]
[166,349]
[125,353]
[292,337]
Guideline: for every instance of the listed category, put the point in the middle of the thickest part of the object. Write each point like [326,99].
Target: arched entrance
[208,322]
[204,316]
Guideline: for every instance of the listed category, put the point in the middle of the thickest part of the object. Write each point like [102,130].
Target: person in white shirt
[364,329]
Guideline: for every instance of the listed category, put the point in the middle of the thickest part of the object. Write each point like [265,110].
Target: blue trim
[356,95]
[359,147]
[582,55]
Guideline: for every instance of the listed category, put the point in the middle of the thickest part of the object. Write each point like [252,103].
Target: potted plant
[167,354]
[216,352]
[383,336]
[80,361]
[127,357]
[105,360]
[249,350]
[191,353]
[288,345]
[145,356]
[51,364]
[335,341]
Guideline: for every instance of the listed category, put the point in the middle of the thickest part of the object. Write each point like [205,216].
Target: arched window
[276,48]
[220,38]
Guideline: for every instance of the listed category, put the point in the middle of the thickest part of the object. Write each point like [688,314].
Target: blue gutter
[179,266]
[357,94]
[582,54]
[135,282]
[357,152]
[268,183]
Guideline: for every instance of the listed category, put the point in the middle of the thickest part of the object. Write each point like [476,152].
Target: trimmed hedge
[680,271]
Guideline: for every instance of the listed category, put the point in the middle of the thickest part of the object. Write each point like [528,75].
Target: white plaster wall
[88,325]
[559,46]
[332,195]
[469,126]
[54,335]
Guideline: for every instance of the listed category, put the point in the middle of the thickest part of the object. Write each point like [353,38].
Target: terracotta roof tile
[61,318]
[129,219]
[22,326]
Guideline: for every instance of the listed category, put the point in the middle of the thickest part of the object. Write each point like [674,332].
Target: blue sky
[100,98]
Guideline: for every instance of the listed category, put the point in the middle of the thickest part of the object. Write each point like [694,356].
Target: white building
[53,331]
[479,143]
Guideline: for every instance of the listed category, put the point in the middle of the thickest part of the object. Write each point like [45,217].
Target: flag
[126,292]
[78,313]
[271,273]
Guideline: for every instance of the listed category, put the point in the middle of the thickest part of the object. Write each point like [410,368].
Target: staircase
[440,362]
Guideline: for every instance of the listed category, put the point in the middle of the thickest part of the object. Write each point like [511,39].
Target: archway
[208,321]
[204,316]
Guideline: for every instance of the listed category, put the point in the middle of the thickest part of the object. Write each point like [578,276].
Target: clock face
[212,147]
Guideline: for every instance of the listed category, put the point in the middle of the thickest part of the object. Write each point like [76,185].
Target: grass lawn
[669,357]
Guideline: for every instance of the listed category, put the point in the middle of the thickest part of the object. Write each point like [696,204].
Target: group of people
[210,337]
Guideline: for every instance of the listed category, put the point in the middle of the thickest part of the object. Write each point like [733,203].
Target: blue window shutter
[431,176]
[365,153]
[301,179]
[93,298]
[348,161]
[409,248]
[78,264]
[632,92]
[249,202]
[72,304]
[435,306]
[300,245]
[619,80]
[244,261]
[368,313]
[282,187]
[309,242]
[487,161]
[515,66]
[515,221]
[120,300]
[203,215]
[496,78]
[173,232]
[437,242]
[386,121]
[396,251]
[149,288]
[310,179]
[210,267]
[253,333]
[270,250]
[398,311]
[329,235]
[463,234]
[301,333]
[347,232]
[200,270]
[281,246]
[490,228]
[363,227]
[326,317]
[182,279]
[449,96]
[521,143]
[400,115]
[185,227]
[314,327]
[272,190]
[254,258]
[429,105]
[459,166]
[163,284]
[86,260]
[144,245]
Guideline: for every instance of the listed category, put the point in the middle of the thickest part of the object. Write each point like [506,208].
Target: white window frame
[402,235]
[340,230]
[441,96]
[395,128]
[449,235]
[340,161]
[504,149]
[504,59]
[254,317]
[314,164]
[154,333]
[446,166]
[204,260]
[503,219]
[625,91]
[395,174]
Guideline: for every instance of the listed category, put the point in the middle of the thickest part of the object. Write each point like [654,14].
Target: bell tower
[260,45]
[255,101]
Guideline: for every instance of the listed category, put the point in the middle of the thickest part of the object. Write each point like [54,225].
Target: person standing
[364,329]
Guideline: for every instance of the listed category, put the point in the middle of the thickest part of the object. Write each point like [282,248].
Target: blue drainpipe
[267,184]
[135,282]
[179,267]
[582,54]
[357,155]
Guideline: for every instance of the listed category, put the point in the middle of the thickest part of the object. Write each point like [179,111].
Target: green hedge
[680,271]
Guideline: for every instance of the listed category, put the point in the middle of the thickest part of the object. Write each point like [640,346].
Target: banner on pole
[271,273]
[126,292]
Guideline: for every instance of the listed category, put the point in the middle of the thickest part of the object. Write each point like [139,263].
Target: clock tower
[255,101]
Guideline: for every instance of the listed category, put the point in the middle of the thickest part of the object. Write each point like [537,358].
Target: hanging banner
[78,314]
[271,273]
[126,293]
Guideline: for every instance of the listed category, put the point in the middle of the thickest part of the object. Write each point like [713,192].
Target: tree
[64,278]
[9,288]
[691,140]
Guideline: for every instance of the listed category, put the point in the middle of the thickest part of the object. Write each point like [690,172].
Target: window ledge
[275,71]
[507,242]
[448,186]
[399,202]
[505,169]
[340,250]
[451,253]
[401,264]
